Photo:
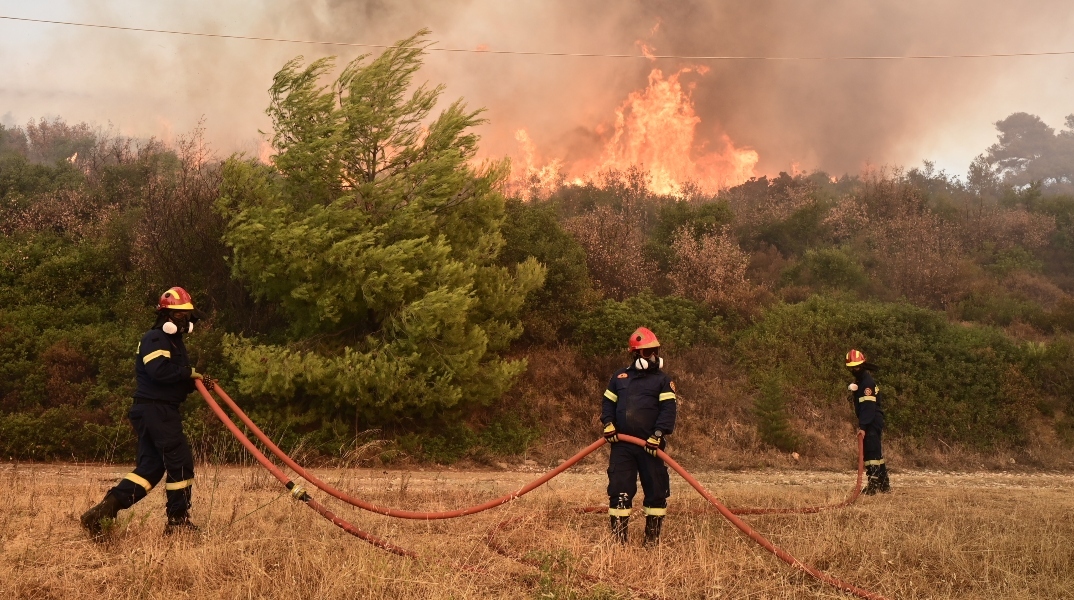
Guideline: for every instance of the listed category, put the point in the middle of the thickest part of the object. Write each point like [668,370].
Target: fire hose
[299,493]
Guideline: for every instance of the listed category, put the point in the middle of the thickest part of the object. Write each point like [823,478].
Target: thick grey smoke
[831,115]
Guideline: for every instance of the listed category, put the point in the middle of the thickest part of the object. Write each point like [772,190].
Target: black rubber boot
[871,487]
[179,524]
[882,482]
[99,518]
[652,529]
[619,529]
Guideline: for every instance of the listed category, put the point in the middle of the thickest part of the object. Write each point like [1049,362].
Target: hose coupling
[297,491]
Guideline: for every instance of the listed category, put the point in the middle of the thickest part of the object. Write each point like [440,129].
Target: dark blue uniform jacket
[162,368]
[639,402]
[867,401]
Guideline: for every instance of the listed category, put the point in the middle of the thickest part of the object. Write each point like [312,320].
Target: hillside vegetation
[373,293]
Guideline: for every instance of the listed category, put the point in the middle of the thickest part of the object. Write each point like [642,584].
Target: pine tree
[770,408]
[378,240]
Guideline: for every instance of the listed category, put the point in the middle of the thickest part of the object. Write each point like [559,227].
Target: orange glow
[655,129]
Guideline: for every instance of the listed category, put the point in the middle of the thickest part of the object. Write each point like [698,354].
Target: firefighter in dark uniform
[164,378]
[865,395]
[639,401]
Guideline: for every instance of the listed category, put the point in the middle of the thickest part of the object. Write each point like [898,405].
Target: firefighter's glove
[654,443]
[853,387]
[209,382]
[610,433]
[194,374]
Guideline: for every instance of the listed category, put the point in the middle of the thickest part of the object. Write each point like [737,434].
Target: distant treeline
[373,278]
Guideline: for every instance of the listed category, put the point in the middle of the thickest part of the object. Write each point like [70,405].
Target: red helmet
[855,358]
[175,298]
[643,338]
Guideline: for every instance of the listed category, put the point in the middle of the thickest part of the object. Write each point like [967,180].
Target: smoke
[833,115]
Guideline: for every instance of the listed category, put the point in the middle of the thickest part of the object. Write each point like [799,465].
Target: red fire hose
[296,491]
[300,494]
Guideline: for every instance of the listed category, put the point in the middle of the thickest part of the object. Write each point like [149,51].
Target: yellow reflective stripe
[156,355]
[667,396]
[656,512]
[139,480]
[611,395]
[870,463]
[867,399]
[178,485]
[619,512]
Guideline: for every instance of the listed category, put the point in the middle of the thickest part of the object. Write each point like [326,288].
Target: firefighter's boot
[619,529]
[882,483]
[652,529]
[97,519]
[872,486]
[179,524]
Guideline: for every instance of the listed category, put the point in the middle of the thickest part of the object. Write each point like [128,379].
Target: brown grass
[938,535]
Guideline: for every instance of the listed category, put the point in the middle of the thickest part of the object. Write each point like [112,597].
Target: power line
[535,53]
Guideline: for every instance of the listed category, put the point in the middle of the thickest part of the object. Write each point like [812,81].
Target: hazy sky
[832,115]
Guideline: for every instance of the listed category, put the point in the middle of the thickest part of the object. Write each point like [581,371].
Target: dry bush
[848,218]
[1005,229]
[180,227]
[922,259]
[71,212]
[712,271]
[1035,288]
[777,201]
[613,243]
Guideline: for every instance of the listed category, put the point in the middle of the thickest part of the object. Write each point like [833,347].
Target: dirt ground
[938,535]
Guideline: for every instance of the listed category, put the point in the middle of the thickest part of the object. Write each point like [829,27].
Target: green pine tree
[378,240]
[770,408]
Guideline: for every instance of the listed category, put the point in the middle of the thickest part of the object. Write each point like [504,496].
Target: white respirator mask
[171,328]
[643,364]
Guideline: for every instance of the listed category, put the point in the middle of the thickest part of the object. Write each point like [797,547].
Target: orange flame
[655,129]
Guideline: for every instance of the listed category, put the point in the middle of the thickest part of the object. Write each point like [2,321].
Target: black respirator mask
[178,324]
[652,362]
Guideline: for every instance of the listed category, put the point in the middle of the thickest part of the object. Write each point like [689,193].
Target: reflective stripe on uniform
[655,512]
[667,396]
[619,512]
[872,463]
[156,355]
[139,480]
[178,485]
[867,399]
[611,395]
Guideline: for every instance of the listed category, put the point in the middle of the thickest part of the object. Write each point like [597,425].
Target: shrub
[677,322]
[939,379]
[770,408]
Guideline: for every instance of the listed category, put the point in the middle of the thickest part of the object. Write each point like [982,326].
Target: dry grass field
[938,535]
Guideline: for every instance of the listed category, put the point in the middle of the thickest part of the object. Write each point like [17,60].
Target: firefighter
[639,401]
[867,401]
[164,378]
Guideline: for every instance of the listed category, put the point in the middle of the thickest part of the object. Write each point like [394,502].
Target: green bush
[531,230]
[677,322]
[830,269]
[940,380]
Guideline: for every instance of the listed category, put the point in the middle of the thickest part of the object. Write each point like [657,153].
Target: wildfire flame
[656,129]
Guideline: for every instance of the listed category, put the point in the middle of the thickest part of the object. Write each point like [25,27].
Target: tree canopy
[379,242]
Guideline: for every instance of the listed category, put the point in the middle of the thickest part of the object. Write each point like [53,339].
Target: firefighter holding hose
[639,401]
[866,398]
[164,379]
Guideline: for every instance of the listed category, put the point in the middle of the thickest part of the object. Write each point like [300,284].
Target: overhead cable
[434,48]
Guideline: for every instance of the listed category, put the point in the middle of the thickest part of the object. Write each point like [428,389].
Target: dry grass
[939,535]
